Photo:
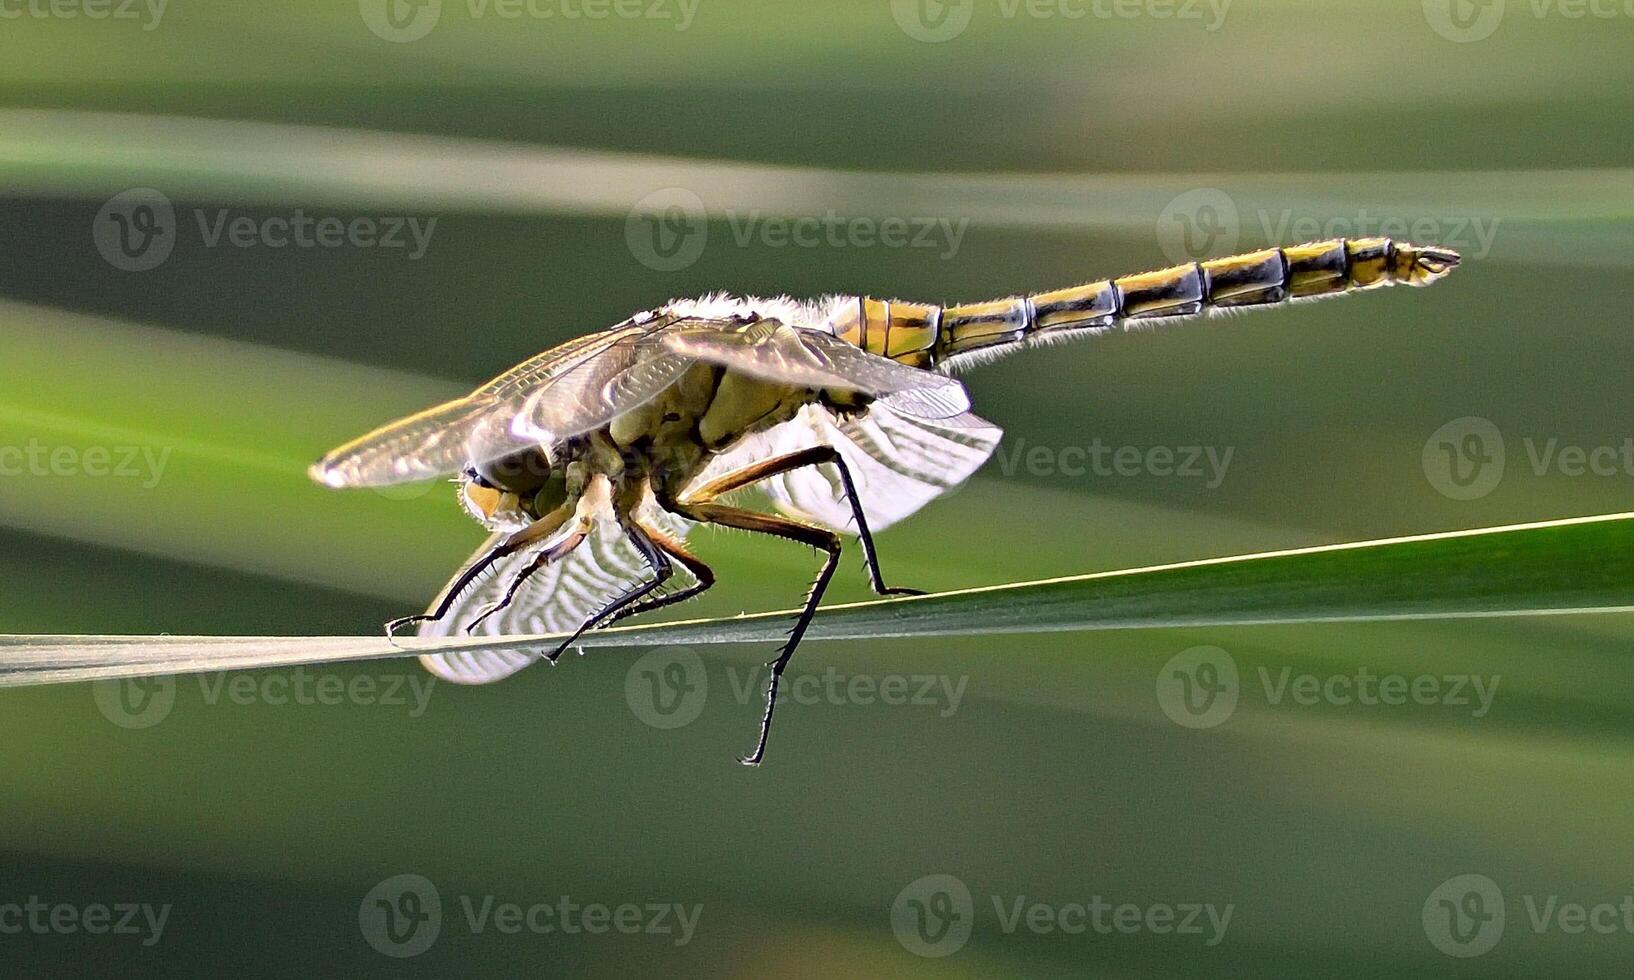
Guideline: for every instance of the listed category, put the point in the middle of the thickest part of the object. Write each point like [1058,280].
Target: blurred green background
[1063,142]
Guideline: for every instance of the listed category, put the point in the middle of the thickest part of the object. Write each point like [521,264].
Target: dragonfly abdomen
[924,335]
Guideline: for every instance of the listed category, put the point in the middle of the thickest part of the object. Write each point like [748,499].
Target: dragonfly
[589,463]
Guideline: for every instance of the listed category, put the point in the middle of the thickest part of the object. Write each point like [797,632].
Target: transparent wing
[430,444]
[544,368]
[598,393]
[922,394]
[773,351]
[476,428]
[949,405]
[899,462]
[555,600]
[637,369]
[484,666]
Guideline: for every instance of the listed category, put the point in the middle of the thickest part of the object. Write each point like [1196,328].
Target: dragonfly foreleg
[778,527]
[814,456]
[584,511]
[537,531]
[551,554]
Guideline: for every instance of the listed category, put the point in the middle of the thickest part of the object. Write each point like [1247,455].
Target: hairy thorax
[662,445]
[668,441]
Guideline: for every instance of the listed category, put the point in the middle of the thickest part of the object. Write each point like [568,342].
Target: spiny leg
[662,570]
[692,563]
[584,511]
[780,527]
[554,553]
[814,456]
[543,528]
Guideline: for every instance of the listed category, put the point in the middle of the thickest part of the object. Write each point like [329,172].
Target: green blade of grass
[1573,566]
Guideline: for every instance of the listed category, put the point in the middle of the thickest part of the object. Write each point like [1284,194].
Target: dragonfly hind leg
[780,527]
[699,505]
[814,456]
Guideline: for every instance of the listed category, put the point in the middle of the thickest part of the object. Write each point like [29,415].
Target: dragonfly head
[480,500]
[520,473]
[514,489]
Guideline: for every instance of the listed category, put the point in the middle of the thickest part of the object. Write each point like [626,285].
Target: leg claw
[397,624]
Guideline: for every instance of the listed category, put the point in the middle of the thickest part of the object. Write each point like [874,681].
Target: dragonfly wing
[950,405]
[436,442]
[555,600]
[598,393]
[921,394]
[474,429]
[636,370]
[476,667]
[429,444]
[775,352]
[544,368]
[899,463]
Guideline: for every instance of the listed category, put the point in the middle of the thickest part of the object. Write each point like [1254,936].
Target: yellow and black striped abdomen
[906,332]
[924,335]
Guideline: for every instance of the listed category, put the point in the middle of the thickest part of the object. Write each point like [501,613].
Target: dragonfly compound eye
[519,473]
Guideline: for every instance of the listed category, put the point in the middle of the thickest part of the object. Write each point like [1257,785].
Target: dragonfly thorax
[666,442]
